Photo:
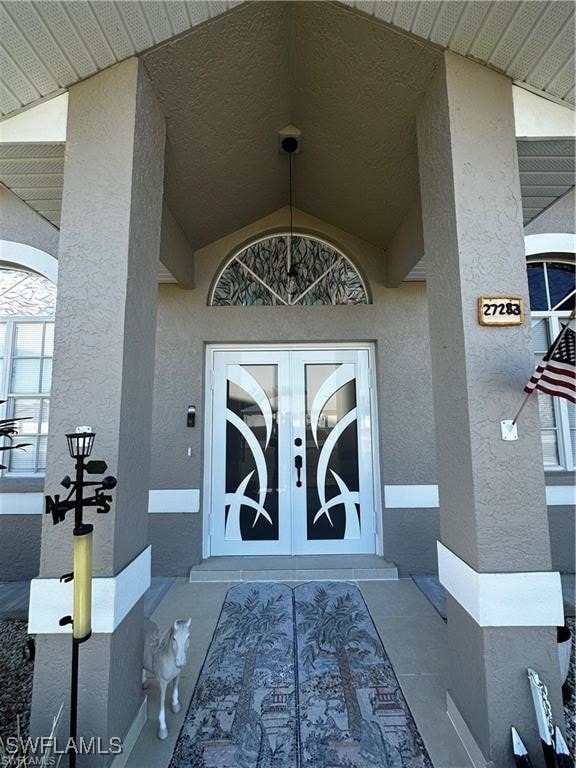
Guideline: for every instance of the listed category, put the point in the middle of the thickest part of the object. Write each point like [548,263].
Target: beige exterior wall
[395,322]
[559,217]
[20,224]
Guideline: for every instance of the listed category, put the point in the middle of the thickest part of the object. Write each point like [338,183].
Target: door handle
[298,465]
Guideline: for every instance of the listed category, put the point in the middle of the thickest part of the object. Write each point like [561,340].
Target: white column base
[532,599]
[112,598]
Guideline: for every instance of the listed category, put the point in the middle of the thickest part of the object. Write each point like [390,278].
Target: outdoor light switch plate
[509,430]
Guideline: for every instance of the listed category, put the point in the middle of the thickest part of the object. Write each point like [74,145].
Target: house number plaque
[500,310]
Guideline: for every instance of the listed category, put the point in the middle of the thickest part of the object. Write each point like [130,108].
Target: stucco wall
[20,224]
[562,538]
[396,322]
[19,546]
[559,217]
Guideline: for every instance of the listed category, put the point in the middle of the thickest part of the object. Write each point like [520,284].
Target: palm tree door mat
[298,678]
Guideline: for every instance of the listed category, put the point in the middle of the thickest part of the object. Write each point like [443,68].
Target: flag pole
[522,406]
[550,353]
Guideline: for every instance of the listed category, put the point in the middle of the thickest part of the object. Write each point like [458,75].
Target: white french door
[291,452]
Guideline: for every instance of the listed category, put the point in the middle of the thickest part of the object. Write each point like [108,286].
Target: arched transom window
[286,270]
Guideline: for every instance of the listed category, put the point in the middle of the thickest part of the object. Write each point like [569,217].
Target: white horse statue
[164,657]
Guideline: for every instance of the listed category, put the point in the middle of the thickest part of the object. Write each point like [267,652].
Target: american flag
[556,373]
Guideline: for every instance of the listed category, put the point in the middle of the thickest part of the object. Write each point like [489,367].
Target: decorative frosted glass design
[332,479]
[277,272]
[26,293]
[252,453]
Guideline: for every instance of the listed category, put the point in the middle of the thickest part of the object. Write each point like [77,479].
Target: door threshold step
[294,568]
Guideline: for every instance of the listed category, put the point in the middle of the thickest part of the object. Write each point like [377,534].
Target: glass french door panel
[332,478]
[249,509]
[252,453]
[333,513]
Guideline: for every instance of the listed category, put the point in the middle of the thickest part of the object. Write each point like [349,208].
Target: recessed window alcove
[284,270]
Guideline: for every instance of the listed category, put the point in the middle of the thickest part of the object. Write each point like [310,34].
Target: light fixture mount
[290,139]
[290,144]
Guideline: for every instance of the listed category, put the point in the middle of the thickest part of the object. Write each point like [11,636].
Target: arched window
[285,271]
[552,288]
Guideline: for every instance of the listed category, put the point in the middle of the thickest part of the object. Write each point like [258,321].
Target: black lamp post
[80,444]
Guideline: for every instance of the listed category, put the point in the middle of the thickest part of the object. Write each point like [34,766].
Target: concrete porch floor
[413,633]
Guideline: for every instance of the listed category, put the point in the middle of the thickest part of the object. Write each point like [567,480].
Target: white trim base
[112,598]
[21,503]
[560,495]
[426,496]
[174,501]
[187,500]
[532,599]
[411,496]
[165,501]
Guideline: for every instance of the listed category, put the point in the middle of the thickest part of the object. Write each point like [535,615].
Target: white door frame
[207,520]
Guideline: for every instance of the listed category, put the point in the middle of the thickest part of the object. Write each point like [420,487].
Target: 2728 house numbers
[500,310]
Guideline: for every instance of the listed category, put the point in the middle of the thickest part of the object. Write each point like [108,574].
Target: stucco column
[103,377]
[492,494]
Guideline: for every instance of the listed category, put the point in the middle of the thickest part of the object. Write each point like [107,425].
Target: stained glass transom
[26,293]
[287,271]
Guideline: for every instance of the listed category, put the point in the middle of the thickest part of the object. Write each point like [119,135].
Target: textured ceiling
[229,81]
[355,89]
[48,45]
[224,89]
[351,86]
[532,41]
